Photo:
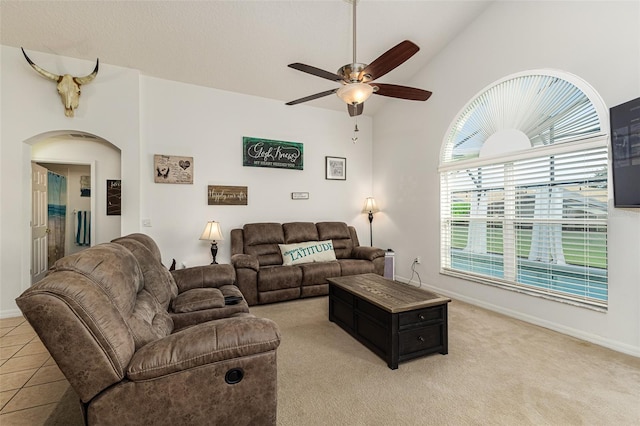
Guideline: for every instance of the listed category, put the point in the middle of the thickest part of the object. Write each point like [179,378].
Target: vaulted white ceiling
[239,46]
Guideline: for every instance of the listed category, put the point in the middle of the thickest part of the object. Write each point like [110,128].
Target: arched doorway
[84,162]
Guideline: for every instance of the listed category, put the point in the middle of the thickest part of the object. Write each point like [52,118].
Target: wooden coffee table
[396,321]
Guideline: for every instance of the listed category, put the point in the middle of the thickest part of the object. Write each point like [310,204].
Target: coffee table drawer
[429,338]
[421,316]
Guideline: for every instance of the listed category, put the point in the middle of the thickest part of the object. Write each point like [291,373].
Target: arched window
[524,189]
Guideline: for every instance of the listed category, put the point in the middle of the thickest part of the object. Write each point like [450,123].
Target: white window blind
[537,224]
[546,108]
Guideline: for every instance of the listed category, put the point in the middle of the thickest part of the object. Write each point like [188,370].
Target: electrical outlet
[417,260]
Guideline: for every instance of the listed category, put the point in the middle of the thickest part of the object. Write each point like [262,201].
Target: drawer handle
[421,317]
[420,339]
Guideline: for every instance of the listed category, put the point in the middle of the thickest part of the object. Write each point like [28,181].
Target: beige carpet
[499,371]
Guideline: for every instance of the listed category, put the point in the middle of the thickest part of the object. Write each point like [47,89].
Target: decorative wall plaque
[227,195]
[269,153]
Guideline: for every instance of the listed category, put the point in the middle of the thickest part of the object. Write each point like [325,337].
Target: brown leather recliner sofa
[105,315]
[262,277]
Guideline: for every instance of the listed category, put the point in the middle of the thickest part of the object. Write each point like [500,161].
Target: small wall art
[269,153]
[227,195]
[172,169]
[85,186]
[335,168]
[299,195]
[114,197]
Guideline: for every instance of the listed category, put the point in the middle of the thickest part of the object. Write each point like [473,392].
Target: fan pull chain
[354,139]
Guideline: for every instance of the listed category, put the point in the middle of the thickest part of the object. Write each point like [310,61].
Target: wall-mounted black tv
[625,149]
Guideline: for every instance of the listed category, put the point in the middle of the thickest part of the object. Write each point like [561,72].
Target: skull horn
[80,80]
[41,71]
[89,78]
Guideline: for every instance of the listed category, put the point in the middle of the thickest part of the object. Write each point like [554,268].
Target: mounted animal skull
[68,86]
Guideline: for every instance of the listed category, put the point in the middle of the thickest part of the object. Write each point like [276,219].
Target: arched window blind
[528,217]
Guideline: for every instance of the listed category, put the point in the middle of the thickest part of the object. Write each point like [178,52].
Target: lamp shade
[212,232]
[355,93]
[370,206]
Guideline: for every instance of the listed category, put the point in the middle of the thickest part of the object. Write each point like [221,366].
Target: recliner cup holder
[234,376]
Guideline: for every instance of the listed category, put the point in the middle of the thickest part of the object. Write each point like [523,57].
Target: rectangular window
[537,225]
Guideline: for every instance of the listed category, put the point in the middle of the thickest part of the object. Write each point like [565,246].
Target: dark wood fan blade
[402,92]
[389,60]
[355,110]
[315,71]
[312,97]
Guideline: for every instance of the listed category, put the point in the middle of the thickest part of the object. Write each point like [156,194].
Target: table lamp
[213,233]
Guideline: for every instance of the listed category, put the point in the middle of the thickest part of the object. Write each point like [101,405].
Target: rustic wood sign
[227,195]
[269,153]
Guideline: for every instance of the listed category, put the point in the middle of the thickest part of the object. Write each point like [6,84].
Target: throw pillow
[310,251]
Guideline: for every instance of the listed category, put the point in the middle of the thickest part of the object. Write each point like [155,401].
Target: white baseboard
[580,334]
[10,313]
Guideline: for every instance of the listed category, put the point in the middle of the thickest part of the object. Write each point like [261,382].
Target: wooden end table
[394,320]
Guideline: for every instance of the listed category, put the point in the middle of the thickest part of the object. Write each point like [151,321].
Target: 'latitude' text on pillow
[311,251]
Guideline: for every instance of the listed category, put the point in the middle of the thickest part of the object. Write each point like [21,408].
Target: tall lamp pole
[370,207]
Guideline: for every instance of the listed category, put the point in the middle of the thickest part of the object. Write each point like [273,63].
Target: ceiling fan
[357,78]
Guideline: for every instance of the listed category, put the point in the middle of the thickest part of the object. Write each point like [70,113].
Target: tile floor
[31,384]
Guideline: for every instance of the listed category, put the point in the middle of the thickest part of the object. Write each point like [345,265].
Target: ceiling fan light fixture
[355,93]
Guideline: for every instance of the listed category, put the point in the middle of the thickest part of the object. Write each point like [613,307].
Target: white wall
[208,125]
[597,41]
[30,111]
[143,116]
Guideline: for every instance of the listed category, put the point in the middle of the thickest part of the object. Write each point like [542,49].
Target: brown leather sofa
[262,277]
[105,317]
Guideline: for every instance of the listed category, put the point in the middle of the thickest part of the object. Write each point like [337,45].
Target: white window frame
[598,141]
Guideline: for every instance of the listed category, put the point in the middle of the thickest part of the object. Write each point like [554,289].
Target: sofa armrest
[245,261]
[367,253]
[210,276]
[203,344]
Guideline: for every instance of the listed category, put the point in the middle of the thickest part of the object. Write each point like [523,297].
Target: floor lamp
[213,233]
[371,208]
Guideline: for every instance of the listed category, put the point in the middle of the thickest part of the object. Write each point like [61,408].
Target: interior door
[39,219]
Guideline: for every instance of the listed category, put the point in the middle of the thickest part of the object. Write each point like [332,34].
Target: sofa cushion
[299,232]
[148,321]
[317,273]
[307,252]
[198,299]
[339,233]
[261,240]
[115,270]
[279,277]
[157,279]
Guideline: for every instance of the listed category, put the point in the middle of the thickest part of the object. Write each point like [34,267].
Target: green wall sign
[268,153]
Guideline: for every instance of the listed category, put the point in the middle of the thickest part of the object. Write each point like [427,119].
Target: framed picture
[85,186]
[172,169]
[335,168]
[114,197]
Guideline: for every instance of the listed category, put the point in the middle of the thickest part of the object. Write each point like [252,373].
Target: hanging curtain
[57,208]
